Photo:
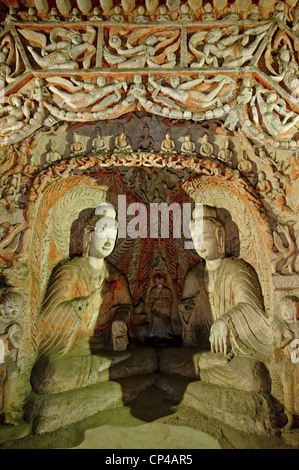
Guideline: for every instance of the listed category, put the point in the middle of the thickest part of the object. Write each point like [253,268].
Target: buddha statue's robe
[79,310]
[237,299]
[81,302]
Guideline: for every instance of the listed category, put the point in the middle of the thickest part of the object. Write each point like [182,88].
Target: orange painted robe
[79,304]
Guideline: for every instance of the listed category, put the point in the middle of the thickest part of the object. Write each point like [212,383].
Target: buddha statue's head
[100,232]
[208,235]
[11,305]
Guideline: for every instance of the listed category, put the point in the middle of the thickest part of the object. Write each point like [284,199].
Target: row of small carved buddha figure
[146,143]
[282,12]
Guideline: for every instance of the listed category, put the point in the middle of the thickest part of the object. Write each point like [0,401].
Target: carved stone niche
[58,218]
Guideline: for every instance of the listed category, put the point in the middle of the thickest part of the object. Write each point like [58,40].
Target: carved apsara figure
[227,45]
[186,94]
[14,116]
[275,117]
[84,95]
[67,48]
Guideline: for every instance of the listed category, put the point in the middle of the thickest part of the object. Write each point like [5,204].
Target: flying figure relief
[226,47]
[186,94]
[143,48]
[83,95]
[68,48]
[274,115]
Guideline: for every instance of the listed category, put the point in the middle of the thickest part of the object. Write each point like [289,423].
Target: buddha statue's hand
[219,337]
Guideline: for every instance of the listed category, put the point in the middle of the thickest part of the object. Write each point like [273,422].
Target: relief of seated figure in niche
[222,312]
[85,313]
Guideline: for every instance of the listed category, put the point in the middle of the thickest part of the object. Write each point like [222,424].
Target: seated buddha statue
[222,310]
[84,319]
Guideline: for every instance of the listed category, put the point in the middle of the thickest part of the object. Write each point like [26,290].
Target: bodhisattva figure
[222,308]
[11,312]
[85,312]
[145,141]
[288,331]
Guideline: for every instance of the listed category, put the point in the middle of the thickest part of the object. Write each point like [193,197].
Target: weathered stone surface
[142,361]
[51,412]
[174,385]
[178,361]
[132,386]
[11,432]
[241,374]
[251,412]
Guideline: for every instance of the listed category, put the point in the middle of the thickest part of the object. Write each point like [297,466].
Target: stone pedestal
[251,412]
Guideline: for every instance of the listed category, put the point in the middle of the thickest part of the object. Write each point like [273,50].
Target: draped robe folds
[237,299]
[81,303]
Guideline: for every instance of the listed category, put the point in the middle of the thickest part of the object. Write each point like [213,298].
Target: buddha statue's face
[102,239]
[10,308]
[208,242]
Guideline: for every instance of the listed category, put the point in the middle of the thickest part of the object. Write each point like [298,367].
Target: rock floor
[150,421]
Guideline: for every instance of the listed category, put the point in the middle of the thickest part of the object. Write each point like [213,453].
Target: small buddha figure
[185,13]
[263,186]
[168,144]
[98,143]
[117,15]
[54,15]
[245,166]
[163,15]
[31,15]
[141,16]
[96,15]
[231,14]
[122,141]
[209,14]
[158,308]
[75,15]
[254,13]
[225,154]
[76,146]
[145,141]
[53,155]
[85,312]
[286,332]
[206,149]
[222,308]
[188,146]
